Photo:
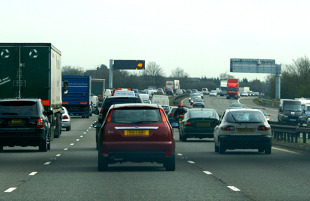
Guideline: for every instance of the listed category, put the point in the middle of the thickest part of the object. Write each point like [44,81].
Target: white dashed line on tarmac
[234,188]
[33,173]
[47,163]
[58,155]
[71,144]
[66,149]
[207,172]
[77,140]
[9,190]
[192,162]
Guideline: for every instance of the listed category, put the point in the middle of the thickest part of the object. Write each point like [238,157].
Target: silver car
[66,120]
[243,129]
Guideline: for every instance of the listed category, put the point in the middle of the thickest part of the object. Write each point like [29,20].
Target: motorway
[69,171]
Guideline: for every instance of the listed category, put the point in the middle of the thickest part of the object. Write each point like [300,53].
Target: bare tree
[72,70]
[179,73]
[154,70]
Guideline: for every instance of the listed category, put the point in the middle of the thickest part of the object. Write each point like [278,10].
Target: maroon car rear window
[136,116]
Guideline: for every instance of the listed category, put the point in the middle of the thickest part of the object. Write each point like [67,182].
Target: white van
[108,92]
[160,100]
[144,96]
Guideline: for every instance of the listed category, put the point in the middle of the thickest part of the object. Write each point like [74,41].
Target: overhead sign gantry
[124,65]
[258,66]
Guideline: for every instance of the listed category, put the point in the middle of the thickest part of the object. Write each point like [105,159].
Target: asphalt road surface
[69,171]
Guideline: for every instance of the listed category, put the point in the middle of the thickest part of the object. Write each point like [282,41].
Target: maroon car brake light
[109,117]
[163,116]
[188,123]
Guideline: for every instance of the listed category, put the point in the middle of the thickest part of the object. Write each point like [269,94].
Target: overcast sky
[199,36]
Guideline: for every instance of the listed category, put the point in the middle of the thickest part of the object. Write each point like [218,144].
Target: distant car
[66,120]
[236,106]
[198,123]
[136,133]
[213,93]
[198,102]
[24,122]
[243,129]
[188,91]
[205,91]
[244,94]
[179,92]
[169,91]
[191,96]
[194,90]
[250,93]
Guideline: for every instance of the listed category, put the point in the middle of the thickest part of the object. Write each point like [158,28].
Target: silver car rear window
[245,117]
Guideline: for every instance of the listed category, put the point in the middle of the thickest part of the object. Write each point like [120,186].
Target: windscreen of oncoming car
[21,108]
[245,117]
[202,114]
[136,116]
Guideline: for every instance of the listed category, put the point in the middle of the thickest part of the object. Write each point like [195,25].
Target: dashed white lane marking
[33,173]
[89,128]
[47,163]
[9,190]
[285,150]
[58,155]
[84,133]
[71,144]
[207,172]
[77,140]
[192,162]
[233,188]
[179,154]
[66,149]
[81,136]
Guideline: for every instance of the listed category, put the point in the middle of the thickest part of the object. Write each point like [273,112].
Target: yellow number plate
[203,123]
[246,130]
[136,133]
[16,121]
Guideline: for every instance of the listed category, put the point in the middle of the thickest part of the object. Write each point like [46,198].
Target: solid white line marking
[207,172]
[9,190]
[233,188]
[192,162]
[72,144]
[47,163]
[179,154]
[285,150]
[77,140]
[33,173]
[58,155]
[66,149]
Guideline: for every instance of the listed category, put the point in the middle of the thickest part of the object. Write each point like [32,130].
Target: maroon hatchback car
[136,132]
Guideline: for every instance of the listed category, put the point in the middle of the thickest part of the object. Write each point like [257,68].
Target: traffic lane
[74,176]
[248,102]
[283,175]
[19,164]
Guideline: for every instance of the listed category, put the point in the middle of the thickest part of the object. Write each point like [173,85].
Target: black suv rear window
[136,116]
[21,108]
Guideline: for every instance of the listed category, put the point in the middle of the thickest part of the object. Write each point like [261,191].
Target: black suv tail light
[40,123]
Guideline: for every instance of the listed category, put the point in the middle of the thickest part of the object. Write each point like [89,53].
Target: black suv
[23,122]
[111,100]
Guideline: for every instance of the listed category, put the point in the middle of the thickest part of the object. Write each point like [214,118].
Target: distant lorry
[223,87]
[232,88]
[78,99]
[174,85]
[244,89]
[98,89]
[33,70]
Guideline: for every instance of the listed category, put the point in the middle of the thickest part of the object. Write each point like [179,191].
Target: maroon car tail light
[263,128]
[106,154]
[228,128]
[101,111]
[188,123]
[163,116]
[109,117]
[171,114]
[65,117]
[40,123]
